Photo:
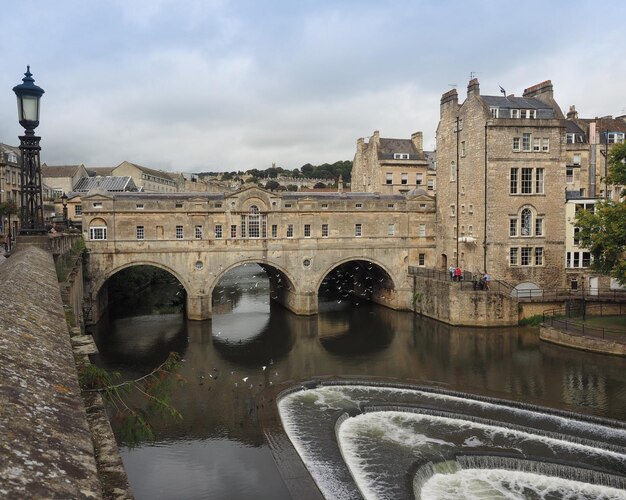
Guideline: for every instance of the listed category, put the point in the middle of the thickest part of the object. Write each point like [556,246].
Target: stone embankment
[46,450]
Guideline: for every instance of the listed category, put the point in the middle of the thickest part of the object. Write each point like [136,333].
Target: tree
[272,185]
[319,185]
[603,232]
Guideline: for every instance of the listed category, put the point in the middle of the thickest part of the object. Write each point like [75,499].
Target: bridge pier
[199,307]
[302,303]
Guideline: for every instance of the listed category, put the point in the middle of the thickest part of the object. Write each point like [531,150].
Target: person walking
[487,279]
[451,270]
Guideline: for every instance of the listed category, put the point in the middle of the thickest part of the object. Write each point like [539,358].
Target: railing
[541,295]
[466,283]
[530,295]
[572,320]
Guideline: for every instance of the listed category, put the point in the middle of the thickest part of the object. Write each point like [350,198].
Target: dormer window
[11,157]
[529,113]
[494,112]
[615,137]
[515,113]
[400,156]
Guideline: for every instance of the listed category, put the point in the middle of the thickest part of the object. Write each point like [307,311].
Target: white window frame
[545,144]
[391,229]
[198,232]
[289,230]
[422,230]
[179,232]
[98,233]
[515,113]
[140,232]
[400,156]
[307,230]
[325,230]
[419,179]
[389,178]
[219,232]
[404,178]
[358,229]
[139,206]
[78,209]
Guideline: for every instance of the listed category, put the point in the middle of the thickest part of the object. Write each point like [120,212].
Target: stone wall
[46,449]
[592,344]
[446,301]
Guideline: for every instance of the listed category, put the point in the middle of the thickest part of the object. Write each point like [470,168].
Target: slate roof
[108,183]
[388,147]
[153,172]
[59,170]
[102,171]
[511,102]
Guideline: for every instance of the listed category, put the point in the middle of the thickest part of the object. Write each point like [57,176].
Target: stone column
[199,307]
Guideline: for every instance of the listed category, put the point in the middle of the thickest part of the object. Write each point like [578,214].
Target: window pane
[513,227]
[539,181]
[539,256]
[513,256]
[526,222]
[527,180]
[514,173]
[538,227]
[525,256]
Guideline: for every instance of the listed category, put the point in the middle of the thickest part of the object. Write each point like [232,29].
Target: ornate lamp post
[31,198]
[64,201]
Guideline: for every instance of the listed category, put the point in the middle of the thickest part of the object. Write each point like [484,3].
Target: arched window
[98,229]
[526,220]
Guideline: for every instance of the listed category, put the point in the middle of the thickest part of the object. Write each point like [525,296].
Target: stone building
[10,158]
[62,178]
[586,144]
[392,166]
[500,185]
[147,179]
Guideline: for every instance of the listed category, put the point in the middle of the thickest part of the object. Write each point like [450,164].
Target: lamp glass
[28,108]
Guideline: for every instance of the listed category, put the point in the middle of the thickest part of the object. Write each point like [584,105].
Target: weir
[445,441]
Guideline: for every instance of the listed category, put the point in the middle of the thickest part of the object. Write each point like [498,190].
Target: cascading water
[378,441]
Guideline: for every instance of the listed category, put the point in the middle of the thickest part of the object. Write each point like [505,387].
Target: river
[217,449]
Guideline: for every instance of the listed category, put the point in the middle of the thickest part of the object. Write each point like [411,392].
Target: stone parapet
[46,449]
[591,344]
[448,302]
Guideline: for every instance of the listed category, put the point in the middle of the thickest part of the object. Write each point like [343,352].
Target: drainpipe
[485,208]
[458,210]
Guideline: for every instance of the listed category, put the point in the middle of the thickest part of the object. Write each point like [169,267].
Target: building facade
[500,185]
[147,179]
[392,166]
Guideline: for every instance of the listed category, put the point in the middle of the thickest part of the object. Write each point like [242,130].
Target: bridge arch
[102,279]
[361,261]
[261,263]
[362,277]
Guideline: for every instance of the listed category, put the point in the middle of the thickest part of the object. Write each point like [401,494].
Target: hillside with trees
[329,172]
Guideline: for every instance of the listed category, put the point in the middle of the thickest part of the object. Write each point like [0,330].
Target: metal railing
[467,281]
[573,320]
[530,295]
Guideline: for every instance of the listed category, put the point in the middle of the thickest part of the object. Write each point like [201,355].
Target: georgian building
[501,180]
[147,179]
[392,166]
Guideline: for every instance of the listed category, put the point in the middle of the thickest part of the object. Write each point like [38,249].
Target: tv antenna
[473,74]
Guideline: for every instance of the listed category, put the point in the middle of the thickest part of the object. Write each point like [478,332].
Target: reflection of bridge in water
[366,240]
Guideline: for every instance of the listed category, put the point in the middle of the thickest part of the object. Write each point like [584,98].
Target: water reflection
[224,362]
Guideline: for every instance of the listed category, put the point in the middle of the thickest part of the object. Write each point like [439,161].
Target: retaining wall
[46,449]
[447,302]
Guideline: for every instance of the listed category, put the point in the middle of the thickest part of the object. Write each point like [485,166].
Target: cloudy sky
[197,85]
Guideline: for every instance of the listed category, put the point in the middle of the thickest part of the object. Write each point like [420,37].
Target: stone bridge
[299,239]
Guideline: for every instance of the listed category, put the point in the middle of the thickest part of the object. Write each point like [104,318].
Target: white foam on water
[399,427]
[481,484]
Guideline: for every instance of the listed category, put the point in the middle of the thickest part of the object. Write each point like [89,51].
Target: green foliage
[154,388]
[272,185]
[535,320]
[604,231]
[8,207]
[292,187]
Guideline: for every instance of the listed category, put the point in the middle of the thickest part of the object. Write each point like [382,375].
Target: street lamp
[64,201]
[31,197]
